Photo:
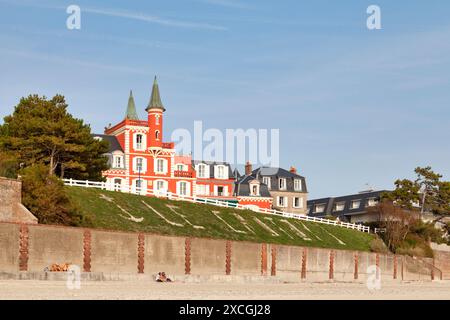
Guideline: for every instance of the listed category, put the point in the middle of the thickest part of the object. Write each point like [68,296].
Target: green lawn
[128,212]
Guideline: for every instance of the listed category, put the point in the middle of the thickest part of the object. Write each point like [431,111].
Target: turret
[155,111]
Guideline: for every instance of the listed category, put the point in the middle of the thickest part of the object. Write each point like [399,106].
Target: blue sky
[353,106]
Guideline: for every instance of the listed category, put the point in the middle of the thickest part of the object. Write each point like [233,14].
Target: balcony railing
[183,174]
[168,145]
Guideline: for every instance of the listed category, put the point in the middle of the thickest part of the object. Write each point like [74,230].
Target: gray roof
[346,200]
[275,173]
[211,165]
[114,144]
[242,187]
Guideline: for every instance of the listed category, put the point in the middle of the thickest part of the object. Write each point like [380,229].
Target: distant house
[350,208]
[286,190]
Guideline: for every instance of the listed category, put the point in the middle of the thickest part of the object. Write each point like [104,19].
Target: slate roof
[346,200]
[155,99]
[114,144]
[275,173]
[242,187]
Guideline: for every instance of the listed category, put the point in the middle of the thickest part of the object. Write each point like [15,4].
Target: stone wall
[11,208]
[26,247]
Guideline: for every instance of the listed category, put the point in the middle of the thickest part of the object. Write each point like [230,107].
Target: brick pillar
[273,269]
[187,256]
[87,237]
[331,270]
[395,267]
[141,247]
[377,263]
[304,258]
[23,247]
[228,258]
[356,257]
[263,259]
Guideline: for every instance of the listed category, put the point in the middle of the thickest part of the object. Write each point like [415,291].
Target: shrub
[377,245]
[44,195]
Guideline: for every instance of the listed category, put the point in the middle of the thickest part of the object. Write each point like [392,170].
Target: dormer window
[355,204]
[201,171]
[266,181]
[282,184]
[220,172]
[254,189]
[297,185]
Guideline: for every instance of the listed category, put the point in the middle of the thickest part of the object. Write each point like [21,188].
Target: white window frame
[284,184]
[284,205]
[354,201]
[322,205]
[372,202]
[205,171]
[184,167]
[224,174]
[187,186]
[252,185]
[267,181]
[164,166]
[162,190]
[118,164]
[300,201]
[203,189]
[340,203]
[297,184]
[142,145]
[144,165]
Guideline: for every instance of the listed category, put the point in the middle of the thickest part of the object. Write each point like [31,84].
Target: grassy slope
[106,214]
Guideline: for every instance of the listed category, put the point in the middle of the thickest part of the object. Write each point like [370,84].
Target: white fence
[199,199]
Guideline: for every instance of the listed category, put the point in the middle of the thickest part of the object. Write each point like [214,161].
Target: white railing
[198,199]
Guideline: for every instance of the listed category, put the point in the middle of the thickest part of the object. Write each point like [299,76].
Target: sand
[30,289]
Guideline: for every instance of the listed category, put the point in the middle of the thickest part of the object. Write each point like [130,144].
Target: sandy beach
[30,289]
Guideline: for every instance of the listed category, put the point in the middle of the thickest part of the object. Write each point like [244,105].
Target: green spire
[131,108]
[155,99]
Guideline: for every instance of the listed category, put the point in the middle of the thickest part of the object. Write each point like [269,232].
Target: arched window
[157,135]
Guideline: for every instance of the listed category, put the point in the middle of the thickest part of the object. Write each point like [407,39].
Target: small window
[339,206]
[182,188]
[201,171]
[282,183]
[220,172]
[298,185]
[266,181]
[355,204]
[117,162]
[180,167]
[160,185]
[254,190]
[157,119]
[319,208]
[139,141]
[139,164]
[160,165]
[220,191]
[282,202]
[157,135]
[298,202]
[372,202]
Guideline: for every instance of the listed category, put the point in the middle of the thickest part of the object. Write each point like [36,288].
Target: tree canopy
[41,131]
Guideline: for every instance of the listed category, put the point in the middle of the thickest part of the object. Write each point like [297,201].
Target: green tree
[44,195]
[42,131]
[405,194]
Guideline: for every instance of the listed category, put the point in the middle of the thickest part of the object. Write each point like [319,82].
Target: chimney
[293,170]
[248,168]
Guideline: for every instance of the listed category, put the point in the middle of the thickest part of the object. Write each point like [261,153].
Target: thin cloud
[227,3]
[127,15]
[153,19]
